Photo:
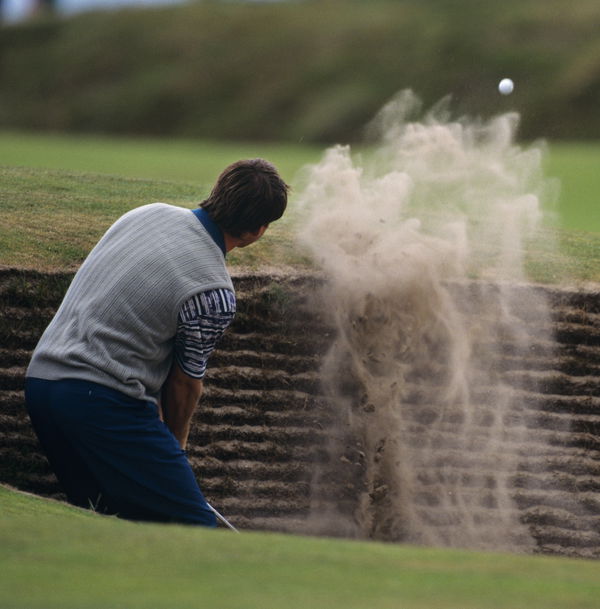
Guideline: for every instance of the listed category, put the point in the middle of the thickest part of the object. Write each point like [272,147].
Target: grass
[577,166]
[56,556]
[199,162]
[60,193]
[195,162]
[51,219]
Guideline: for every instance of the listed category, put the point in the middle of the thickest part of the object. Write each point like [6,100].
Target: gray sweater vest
[117,322]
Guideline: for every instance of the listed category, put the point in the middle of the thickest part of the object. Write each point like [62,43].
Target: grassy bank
[51,219]
[72,188]
[198,162]
[60,193]
[312,70]
[55,556]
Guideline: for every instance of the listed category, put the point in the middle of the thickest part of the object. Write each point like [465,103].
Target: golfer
[115,378]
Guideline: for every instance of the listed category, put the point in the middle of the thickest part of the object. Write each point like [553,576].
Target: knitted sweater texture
[117,323]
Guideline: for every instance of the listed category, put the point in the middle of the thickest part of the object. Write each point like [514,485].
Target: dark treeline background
[301,71]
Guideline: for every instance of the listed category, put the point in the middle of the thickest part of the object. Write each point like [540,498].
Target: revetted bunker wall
[262,431]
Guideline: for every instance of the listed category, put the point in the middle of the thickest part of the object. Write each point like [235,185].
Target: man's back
[117,322]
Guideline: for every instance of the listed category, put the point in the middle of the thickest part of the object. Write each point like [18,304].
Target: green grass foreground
[56,556]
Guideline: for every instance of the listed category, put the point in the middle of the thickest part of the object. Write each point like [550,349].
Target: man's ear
[257,234]
[249,237]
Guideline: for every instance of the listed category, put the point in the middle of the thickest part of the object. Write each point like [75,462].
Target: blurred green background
[313,71]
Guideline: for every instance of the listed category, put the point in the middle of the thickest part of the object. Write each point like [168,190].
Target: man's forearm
[177,415]
[180,397]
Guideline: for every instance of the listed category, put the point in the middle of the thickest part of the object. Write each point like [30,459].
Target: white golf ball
[506,86]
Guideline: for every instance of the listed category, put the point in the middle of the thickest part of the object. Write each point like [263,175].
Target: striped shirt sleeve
[201,322]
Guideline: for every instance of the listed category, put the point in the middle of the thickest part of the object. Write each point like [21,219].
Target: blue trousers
[112,453]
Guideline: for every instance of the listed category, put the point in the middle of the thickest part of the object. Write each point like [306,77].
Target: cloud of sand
[420,447]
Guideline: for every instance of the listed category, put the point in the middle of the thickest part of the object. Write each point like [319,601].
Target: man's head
[248,195]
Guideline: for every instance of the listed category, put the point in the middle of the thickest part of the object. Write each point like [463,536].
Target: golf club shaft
[222,518]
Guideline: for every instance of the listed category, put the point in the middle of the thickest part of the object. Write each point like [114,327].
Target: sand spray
[421,242]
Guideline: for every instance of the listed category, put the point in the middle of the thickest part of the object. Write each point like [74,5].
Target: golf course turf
[56,556]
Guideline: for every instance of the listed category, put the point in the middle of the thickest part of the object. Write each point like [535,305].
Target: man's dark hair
[248,194]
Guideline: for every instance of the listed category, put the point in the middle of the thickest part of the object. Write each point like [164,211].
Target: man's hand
[180,396]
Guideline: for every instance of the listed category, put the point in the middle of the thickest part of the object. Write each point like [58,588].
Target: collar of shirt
[211,227]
